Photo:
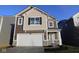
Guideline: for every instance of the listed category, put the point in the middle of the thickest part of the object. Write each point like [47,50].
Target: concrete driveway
[24,50]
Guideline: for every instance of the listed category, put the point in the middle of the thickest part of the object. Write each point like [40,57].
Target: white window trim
[34,21]
[19,20]
[49,24]
[1,23]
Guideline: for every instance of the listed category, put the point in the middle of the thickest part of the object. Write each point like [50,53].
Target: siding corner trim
[1,23]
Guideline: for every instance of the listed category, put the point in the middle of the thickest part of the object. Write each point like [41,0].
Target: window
[36,20]
[31,20]
[50,24]
[20,20]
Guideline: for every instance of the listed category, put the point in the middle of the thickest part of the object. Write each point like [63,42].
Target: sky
[60,12]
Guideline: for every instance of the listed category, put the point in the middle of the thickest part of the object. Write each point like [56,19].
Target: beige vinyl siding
[34,13]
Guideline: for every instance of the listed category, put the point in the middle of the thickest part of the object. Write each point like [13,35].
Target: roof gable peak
[30,7]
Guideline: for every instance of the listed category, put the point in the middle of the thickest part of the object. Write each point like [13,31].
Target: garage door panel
[22,40]
[37,40]
[29,39]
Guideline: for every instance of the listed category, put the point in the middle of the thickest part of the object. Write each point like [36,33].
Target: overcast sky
[58,11]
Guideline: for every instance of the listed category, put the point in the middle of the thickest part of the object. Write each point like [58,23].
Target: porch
[53,38]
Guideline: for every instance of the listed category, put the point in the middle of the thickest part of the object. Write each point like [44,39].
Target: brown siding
[19,28]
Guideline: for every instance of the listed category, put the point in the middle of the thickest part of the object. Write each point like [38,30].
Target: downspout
[14,36]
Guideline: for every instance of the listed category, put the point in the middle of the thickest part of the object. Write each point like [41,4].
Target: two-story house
[34,27]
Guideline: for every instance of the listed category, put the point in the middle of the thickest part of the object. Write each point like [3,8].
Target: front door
[53,38]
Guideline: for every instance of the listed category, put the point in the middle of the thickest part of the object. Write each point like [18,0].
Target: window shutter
[40,20]
[28,21]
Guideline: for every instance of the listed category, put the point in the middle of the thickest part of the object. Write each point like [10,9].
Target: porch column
[59,38]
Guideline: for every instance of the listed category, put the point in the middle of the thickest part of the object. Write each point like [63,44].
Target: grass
[63,49]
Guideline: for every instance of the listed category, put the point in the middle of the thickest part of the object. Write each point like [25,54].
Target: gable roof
[77,14]
[29,8]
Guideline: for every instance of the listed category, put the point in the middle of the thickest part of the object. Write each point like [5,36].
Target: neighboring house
[6,30]
[70,30]
[34,27]
[76,20]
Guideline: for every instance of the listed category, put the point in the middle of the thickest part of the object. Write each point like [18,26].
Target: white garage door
[34,39]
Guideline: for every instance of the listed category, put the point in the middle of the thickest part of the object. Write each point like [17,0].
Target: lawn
[63,49]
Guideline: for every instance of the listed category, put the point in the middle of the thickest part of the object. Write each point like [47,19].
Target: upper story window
[20,20]
[34,20]
[50,24]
